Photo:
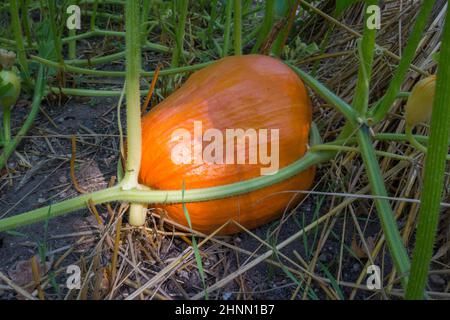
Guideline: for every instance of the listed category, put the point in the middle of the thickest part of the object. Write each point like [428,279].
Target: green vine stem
[434,174]
[328,95]
[237,27]
[376,181]
[97,60]
[384,210]
[117,193]
[339,148]
[104,73]
[133,68]
[132,76]
[385,137]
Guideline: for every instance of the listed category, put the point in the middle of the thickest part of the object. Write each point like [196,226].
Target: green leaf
[333,281]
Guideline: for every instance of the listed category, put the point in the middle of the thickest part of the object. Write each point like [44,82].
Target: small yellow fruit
[9,98]
[420,102]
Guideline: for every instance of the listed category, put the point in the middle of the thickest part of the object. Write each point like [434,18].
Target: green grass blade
[198,258]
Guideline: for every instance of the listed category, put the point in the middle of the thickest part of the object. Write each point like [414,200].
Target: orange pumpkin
[246,92]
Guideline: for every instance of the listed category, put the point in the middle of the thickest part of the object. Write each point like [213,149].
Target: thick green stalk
[237,27]
[226,34]
[38,95]
[133,69]
[17,31]
[381,110]
[434,174]
[133,100]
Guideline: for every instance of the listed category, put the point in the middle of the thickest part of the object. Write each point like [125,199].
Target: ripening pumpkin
[247,92]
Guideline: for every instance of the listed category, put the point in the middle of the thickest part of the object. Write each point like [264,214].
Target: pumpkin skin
[251,91]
